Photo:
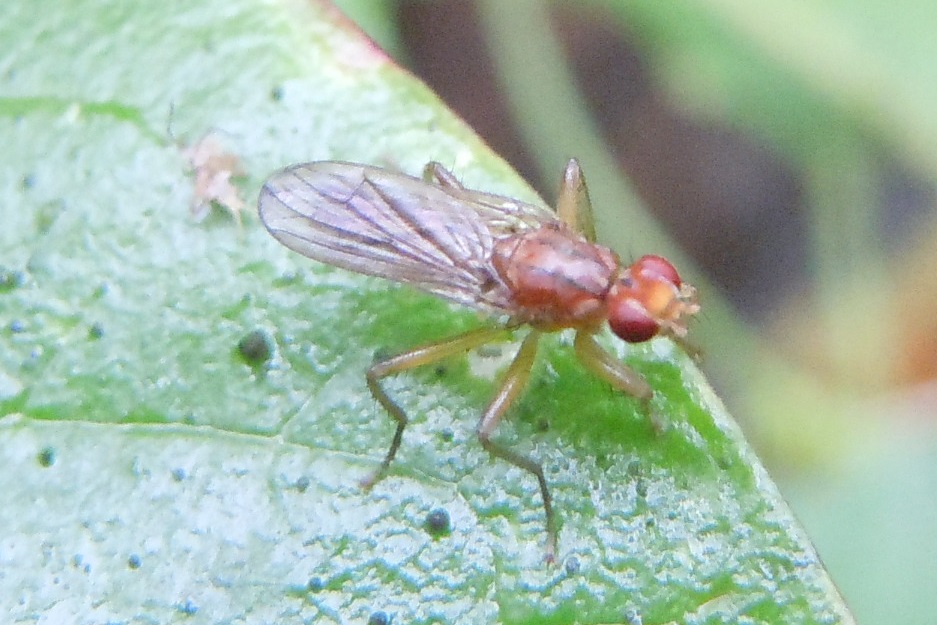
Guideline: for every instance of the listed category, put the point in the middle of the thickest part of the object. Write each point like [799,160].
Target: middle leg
[515,379]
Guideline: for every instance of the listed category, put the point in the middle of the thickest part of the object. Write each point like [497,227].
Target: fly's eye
[630,321]
[643,299]
[656,267]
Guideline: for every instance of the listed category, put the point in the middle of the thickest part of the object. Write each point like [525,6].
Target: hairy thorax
[557,278]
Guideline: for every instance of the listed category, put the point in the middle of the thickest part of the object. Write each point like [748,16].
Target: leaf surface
[153,472]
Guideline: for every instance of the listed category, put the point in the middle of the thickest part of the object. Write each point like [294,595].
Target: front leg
[616,373]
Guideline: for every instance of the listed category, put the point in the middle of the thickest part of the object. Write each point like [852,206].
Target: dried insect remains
[492,253]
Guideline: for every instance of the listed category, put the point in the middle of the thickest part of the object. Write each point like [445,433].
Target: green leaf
[160,467]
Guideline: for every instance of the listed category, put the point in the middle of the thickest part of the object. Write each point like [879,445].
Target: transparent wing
[380,223]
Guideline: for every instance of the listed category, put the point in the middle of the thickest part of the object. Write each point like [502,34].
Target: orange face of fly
[649,298]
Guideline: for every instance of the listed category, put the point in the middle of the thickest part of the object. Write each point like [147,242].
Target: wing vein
[390,225]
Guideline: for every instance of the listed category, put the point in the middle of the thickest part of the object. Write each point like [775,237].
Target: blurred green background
[788,154]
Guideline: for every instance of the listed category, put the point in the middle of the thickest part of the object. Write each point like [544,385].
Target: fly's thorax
[556,278]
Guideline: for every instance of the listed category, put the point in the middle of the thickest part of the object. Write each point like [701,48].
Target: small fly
[502,256]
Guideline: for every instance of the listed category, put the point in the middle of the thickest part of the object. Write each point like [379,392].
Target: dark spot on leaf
[602,461]
[9,280]
[640,487]
[441,371]
[256,347]
[288,279]
[572,565]
[379,618]
[78,561]
[276,94]
[134,561]
[17,326]
[28,181]
[178,474]
[46,214]
[96,331]
[46,457]
[438,522]
[315,584]
[302,484]
[543,424]
[447,435]
[188,608]
[634,468]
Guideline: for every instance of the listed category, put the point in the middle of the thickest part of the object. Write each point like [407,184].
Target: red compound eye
[652,266]
[642,298]
[629,320]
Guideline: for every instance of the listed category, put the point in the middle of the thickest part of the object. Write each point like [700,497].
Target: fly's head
[649,298]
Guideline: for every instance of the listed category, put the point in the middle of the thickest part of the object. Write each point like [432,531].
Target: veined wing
[381,223]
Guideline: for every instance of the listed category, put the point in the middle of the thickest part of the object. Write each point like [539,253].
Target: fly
[490,252]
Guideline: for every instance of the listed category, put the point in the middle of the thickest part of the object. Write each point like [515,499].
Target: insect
[502,256]
[214,168]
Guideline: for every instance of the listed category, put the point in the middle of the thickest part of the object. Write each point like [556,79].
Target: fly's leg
[572,204]
[692,349]
[435,172]
[418,357]
[616,373]
[515,379]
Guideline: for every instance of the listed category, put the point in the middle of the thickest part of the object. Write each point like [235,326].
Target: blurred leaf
[799,71]
[876,520]
[159,468]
